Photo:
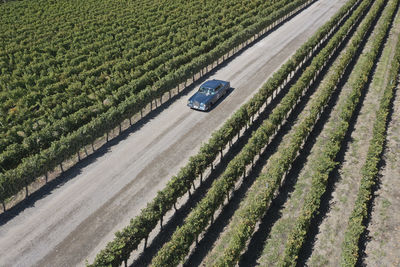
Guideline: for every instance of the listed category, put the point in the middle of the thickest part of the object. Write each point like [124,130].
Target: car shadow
[228,92]
[213,106]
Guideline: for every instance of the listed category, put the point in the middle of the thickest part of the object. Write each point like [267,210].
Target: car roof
[212,84]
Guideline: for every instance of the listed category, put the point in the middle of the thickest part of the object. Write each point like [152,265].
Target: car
[208,94]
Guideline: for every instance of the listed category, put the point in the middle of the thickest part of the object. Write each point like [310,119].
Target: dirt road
[75,220]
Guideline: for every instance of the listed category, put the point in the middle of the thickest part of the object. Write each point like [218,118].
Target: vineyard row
[128,239]
[262,191]
[12,181]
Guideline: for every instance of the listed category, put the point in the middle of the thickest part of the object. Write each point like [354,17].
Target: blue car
[209,93]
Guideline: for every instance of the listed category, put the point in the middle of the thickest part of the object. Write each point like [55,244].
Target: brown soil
[327,247]
[383,247]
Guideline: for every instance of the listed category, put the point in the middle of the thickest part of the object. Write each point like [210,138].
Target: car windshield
[206,91]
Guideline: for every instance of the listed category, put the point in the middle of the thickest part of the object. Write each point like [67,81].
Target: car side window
[218,87]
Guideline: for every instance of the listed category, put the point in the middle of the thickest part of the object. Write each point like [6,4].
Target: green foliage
[200,216]
[73,130]
[326,161]
[257,202]
[181,183]
[355,227]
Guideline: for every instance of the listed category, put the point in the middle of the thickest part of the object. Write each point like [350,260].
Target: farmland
[294,166]
[55,102]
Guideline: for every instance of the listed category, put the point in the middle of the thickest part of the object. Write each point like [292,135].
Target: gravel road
[75,220]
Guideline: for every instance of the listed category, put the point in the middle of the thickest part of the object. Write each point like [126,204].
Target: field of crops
[309,150]
[66,81]
[341,82]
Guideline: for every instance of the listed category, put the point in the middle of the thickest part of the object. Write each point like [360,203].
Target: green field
[72,71]
[309,145]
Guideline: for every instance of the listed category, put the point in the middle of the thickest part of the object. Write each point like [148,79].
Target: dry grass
[383,247]
[327,247]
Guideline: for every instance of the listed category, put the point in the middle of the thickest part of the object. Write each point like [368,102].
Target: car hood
[201,98]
